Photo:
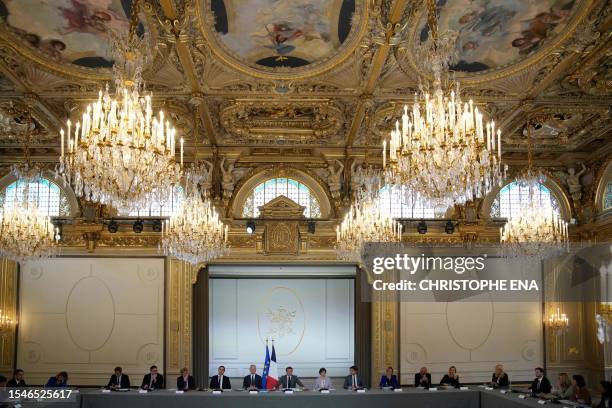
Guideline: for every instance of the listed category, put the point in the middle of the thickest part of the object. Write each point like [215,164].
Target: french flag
[270,371]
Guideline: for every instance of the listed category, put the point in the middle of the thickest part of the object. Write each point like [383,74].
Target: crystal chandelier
[365,222]
[558,322]
[195,234]
[536,232]
[443,149]
[120,153]
[25,232]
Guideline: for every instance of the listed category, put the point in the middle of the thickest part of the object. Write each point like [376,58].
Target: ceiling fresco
[73,31]
[288,33]
[495,33]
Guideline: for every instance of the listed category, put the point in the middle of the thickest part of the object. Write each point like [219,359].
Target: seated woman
[581,393]
[500,378]
[323,382]
[606,394]
[451,379]
[60,380]
[389,379]
[566,389]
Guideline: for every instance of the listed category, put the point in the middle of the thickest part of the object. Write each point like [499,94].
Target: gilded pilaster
[8,306]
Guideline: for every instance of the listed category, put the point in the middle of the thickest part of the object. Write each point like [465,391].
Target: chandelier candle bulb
[182,141]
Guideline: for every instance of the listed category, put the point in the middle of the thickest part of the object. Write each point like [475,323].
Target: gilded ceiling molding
[250,181]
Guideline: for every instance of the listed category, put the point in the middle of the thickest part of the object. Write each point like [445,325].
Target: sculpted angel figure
[573,182]
[334,180]
[228,180]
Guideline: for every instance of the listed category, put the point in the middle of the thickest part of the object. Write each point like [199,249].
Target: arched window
[48,196]
[404,203]
[167,209]
[607,204]
[270,189]
[513,196]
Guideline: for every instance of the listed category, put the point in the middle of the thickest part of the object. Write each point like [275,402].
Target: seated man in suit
[185,382]
[253,380]
[118,380]
[422,378]
[540,384]
[451,379]
[153,380]
[17,380]
[289,380]
[353,380]
[60,380]
[389,379]
[220,381]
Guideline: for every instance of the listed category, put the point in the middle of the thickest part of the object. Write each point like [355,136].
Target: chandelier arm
[134,19]
[432,19]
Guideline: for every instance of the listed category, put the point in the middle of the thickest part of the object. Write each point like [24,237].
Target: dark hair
[539,369]
[63,374]
[17,371]
[152,367]
[390,368]
[322,370]
[354,368]
[118,369]
[579,380]
[289,368]
[223,367]
[2,379]
[607,386]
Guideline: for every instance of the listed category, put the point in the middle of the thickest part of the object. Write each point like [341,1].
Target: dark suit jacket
[180,383]
[450,381]
[389,382]
[502,381]
[13,383]
[53,383]
[294,381]
[248,383]
[349,379]
[418,382]
[158,384]
[125,381]
[540,387]
[214,383]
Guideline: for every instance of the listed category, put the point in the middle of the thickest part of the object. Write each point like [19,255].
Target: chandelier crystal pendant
[120,153]
[443,149]
[365,222]
[25,232]
[536,232]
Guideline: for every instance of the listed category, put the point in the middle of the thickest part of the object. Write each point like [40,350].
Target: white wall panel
[311,321]
[87,315]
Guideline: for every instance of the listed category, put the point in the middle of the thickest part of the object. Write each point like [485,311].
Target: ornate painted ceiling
[307,82]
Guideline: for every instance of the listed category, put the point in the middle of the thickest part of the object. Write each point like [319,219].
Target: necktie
[354,381]
[252,379]
[220,381]
[119,380]
[152,381]
[288,380]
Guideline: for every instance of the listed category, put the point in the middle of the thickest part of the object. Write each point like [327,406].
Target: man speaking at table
[253,380]
[353,381]
[289,380]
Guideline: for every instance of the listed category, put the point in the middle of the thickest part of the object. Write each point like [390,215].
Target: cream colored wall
[87,315]
[474,336]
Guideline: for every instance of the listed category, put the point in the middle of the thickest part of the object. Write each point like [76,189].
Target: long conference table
[474,397]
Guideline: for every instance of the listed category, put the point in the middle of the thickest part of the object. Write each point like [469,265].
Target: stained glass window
[514,195]
[48,196]
[167,209]
[404,203]
[287,187]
